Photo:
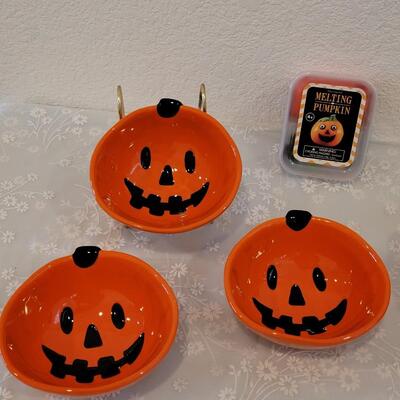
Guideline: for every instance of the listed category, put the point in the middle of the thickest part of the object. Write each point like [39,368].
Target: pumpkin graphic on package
[327,132]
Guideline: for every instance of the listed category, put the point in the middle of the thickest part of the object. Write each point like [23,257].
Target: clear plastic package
[326,127]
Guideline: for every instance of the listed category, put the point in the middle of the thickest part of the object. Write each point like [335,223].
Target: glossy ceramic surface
[87,324]
[306,281]
[166,172]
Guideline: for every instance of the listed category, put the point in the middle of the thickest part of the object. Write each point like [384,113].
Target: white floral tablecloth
[47,209]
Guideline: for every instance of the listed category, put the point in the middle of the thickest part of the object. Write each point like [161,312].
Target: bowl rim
[98,389]
[303,341]
[174,229]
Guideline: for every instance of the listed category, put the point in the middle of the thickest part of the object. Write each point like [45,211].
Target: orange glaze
[32,319]
[118,156]
[353,272]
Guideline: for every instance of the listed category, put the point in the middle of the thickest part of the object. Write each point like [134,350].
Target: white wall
[75,52]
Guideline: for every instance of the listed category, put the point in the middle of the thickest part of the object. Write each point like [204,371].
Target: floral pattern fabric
[47,209]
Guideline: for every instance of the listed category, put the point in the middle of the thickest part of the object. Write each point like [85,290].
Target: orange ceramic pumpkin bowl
[88,324]
[167,168]
[306,281]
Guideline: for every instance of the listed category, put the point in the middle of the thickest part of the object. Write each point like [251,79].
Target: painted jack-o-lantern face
[90,322]
[327,132]
[297,287]
[174,204]
[309,322]
[306,281]
[166,168]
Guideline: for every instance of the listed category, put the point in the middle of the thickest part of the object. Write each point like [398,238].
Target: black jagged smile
[106,366]
[327,139]
[175,204]
[309,324]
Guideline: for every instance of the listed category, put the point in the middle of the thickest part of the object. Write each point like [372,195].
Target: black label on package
[330,125]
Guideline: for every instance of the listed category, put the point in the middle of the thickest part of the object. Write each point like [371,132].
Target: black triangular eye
[66,320]
[118,316]
[272,277]
[145,157]
[319,279]
[190,162]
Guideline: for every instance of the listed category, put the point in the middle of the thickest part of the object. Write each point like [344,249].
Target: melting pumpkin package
[326,127]
[96,321]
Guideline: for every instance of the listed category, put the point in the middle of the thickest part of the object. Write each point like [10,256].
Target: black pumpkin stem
[85,256]
[167,108]
[298,219]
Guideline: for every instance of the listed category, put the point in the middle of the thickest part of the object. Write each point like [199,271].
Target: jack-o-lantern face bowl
[87,324]
[167,168]
[327,131]
[306,281]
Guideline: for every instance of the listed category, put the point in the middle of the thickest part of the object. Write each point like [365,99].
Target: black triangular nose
[92,337]
[166,177]
[296,297]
